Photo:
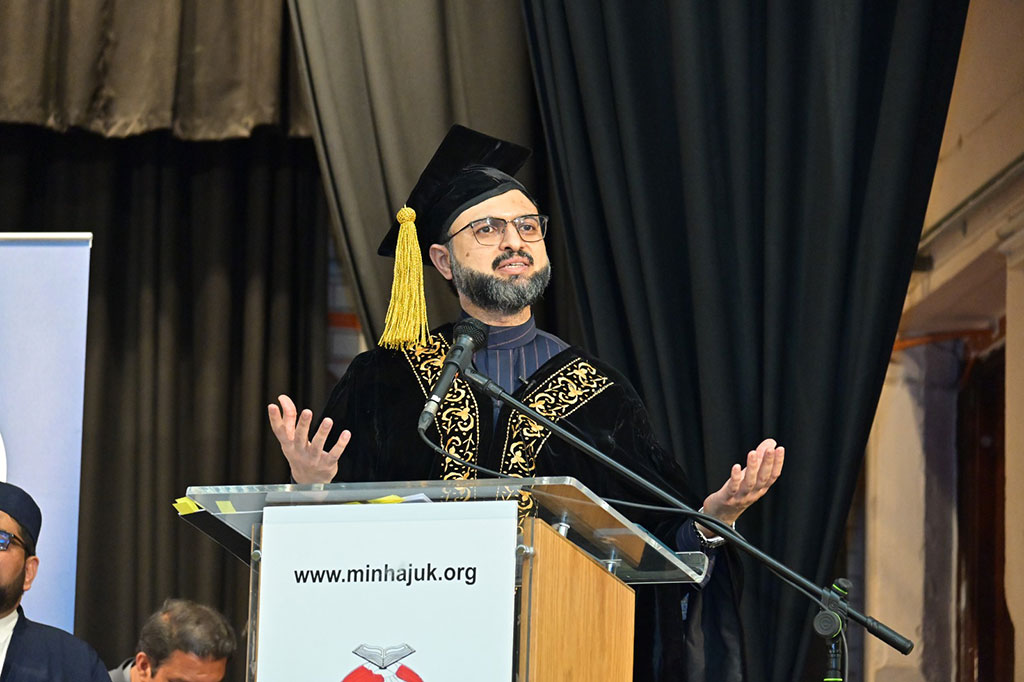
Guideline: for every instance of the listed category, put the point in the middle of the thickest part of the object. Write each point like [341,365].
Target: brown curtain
[207,298]
[387,79]
[206,70]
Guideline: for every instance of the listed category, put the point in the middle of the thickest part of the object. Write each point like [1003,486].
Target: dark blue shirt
[514,353]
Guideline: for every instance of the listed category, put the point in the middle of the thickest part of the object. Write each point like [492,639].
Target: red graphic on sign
[364,673]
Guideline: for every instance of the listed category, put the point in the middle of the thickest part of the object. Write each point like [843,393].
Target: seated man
[28,650]
[182,642]
[480,228]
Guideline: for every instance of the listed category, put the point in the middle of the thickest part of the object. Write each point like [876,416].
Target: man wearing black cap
[480,229]
[32,651]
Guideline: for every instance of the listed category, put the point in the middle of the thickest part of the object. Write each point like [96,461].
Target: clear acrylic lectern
[575,557]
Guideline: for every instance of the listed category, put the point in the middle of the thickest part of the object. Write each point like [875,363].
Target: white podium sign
[407,592]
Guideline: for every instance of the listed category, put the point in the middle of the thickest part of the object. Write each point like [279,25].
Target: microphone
[470,335]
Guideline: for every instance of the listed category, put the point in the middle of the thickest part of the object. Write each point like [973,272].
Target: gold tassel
[406,322]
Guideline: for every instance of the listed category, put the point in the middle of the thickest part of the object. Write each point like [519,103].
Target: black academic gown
[681,633]
[48,654]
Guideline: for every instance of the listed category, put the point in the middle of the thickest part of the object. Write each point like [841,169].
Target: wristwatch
[705,541]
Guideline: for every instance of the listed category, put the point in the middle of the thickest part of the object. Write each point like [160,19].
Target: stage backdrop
[44,282]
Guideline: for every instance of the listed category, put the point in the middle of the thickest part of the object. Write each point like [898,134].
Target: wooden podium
[575,558]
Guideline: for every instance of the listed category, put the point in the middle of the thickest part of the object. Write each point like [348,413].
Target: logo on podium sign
[383,664]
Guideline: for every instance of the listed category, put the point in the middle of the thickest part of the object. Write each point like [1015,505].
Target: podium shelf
[230,513]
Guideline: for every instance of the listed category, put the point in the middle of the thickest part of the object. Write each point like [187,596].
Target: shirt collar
[8,622]
[506,338]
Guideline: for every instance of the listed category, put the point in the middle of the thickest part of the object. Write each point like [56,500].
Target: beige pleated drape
[206,70]
[387,79]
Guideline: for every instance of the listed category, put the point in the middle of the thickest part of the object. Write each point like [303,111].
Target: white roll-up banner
[44,286]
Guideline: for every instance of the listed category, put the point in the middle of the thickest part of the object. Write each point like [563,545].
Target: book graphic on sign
[382,664]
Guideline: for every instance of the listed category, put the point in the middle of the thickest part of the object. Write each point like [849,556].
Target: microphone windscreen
[474,329]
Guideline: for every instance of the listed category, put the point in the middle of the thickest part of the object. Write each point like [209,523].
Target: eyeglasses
[490,231]
[7,538]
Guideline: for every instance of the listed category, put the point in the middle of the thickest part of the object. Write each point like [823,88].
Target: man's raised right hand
[307,458]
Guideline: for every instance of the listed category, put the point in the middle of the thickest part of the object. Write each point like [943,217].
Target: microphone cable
[439,450]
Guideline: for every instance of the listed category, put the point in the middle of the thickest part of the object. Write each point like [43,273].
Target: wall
[985,127]
[974,238]
[910,471]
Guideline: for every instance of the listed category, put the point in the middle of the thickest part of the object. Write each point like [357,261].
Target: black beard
[494,294]
[11,593]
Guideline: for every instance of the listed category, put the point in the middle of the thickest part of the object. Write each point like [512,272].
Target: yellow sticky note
[184,505]
[225,507]
[387,499]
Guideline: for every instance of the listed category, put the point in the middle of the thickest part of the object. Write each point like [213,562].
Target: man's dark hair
[183,625]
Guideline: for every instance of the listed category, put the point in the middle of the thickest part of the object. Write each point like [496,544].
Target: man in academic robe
[30,650]
[480,228]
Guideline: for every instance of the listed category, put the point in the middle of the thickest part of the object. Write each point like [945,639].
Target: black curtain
[744,185]
[207,298]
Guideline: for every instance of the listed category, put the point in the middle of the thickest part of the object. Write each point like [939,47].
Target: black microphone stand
[830,625]
[824,597]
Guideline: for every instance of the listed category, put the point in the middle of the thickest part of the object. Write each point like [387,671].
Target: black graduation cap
[467,168]
[20,506]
